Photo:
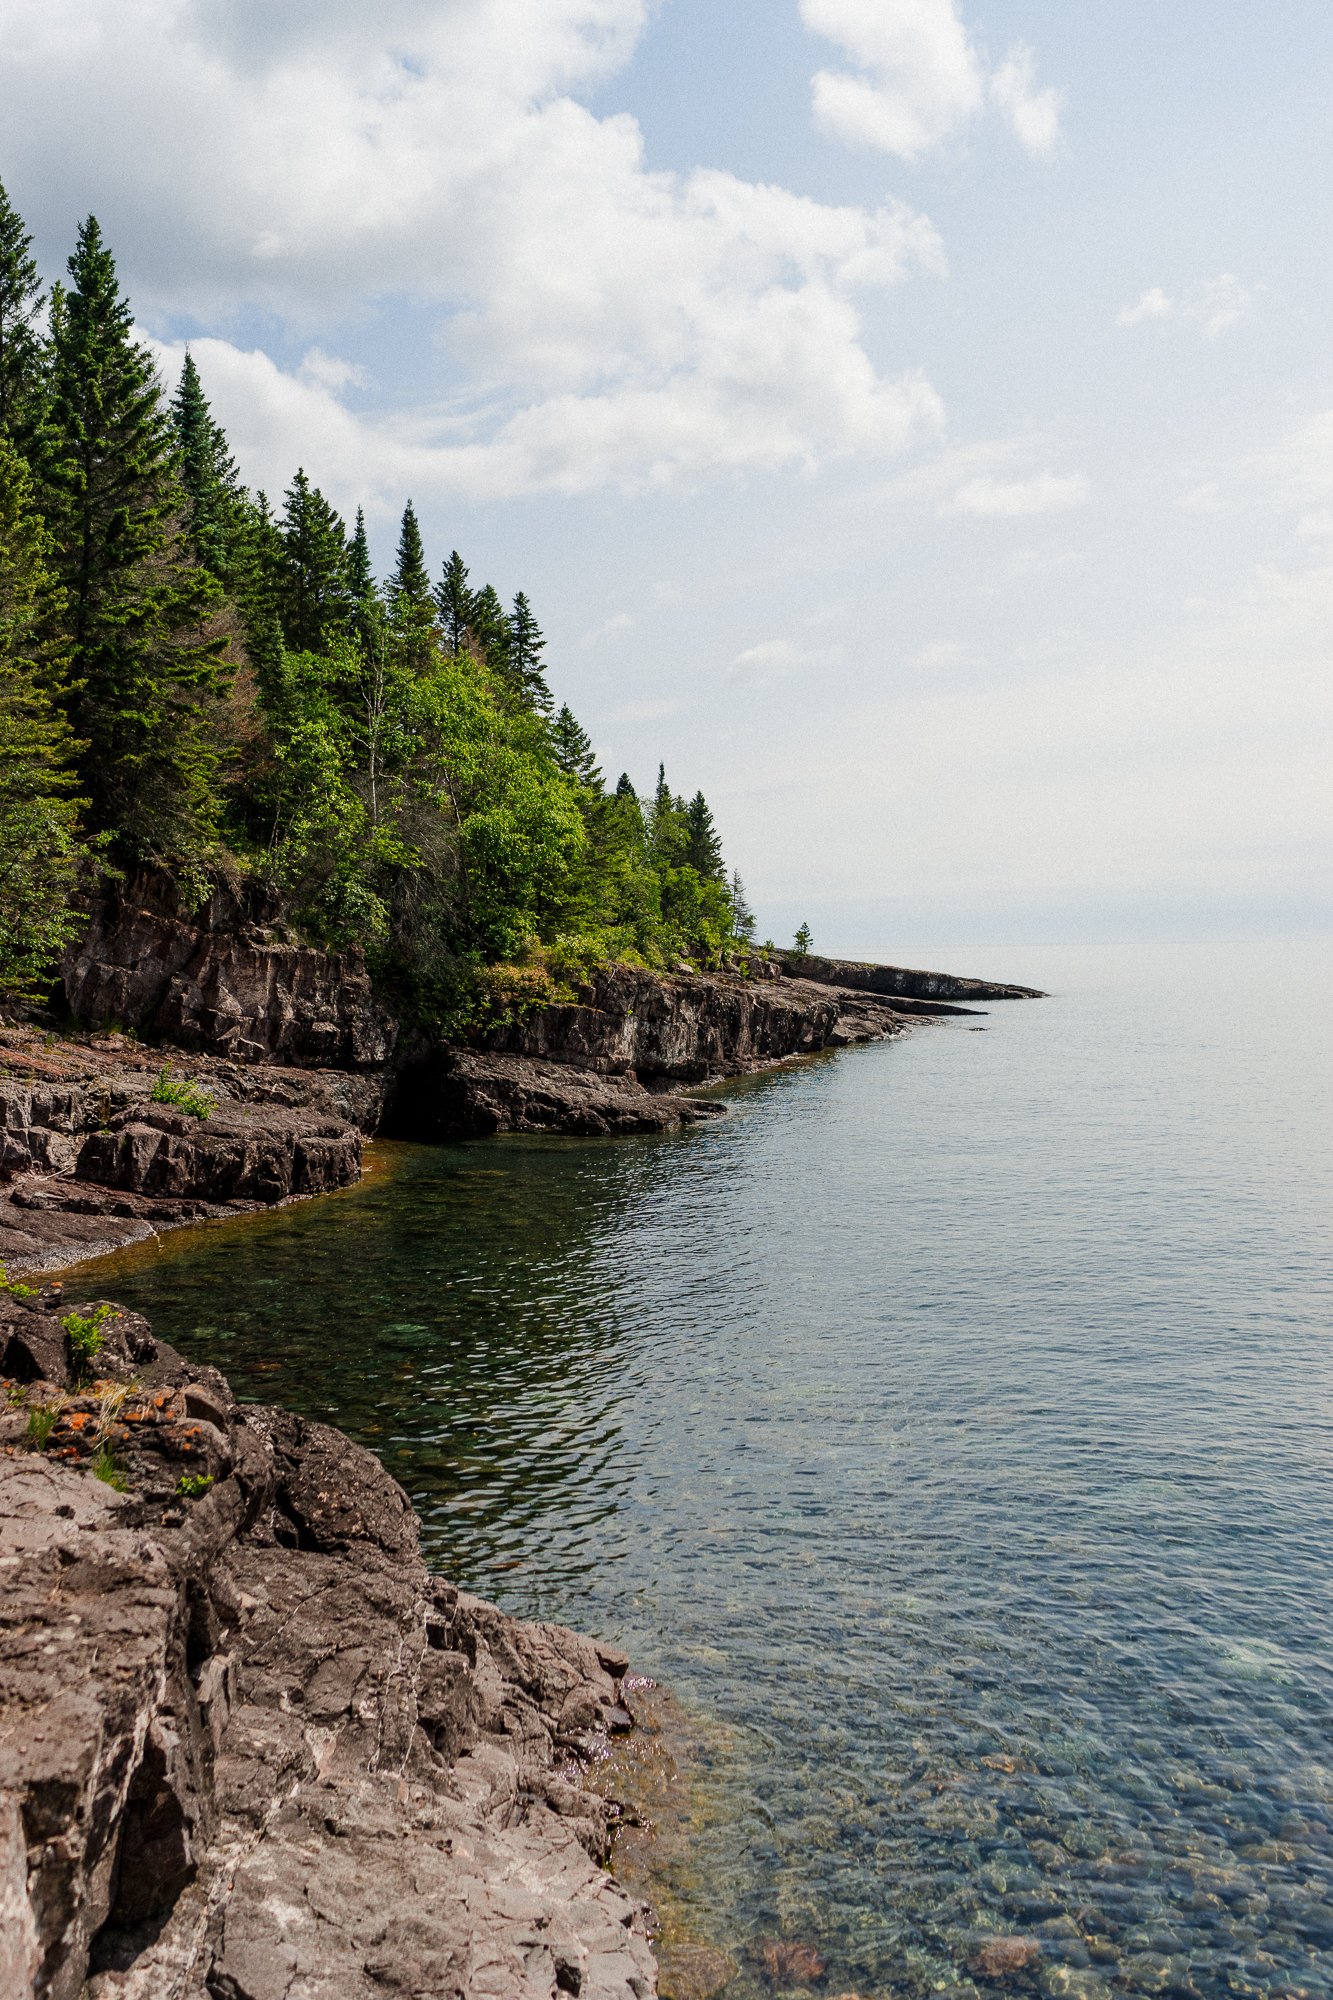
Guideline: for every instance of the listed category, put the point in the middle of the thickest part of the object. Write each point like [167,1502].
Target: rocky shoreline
[250,1749]
[249,1746]
[302,1061]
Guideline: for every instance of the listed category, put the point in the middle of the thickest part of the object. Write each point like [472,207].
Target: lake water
[950,1428]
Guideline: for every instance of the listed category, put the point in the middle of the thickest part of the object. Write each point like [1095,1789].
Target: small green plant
[103,1466]
[803,941]
[41,1422]
[86,1336]
[190,1097]
[15,1290]
[193,1485]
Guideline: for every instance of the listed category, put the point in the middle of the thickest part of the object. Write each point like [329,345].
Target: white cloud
[608,324]
[1034,114]
[1212,308]
[921,78]
[1019,499]
[774,657]
[610,628]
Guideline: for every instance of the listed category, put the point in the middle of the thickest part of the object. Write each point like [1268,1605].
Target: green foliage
[20,345]
[191,1097]
[41,845]
[208,476]
[803,943]
[189,681]
[193,1485]
[314,582]
[42,1420]
[14,1288]
[86,1336]
[145,653]
[104,1466]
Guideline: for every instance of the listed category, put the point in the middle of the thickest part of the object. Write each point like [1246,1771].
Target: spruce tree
[574,751]
[316,596]
[145,657]
[524,659]
[742,916]
[411,604]
[207,474]
[489,631]
[40,846]
[20,346]
[703,849]
[367,610]
[455,604]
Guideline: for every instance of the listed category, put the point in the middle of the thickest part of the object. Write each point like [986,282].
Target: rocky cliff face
[224,979]
[249,1747]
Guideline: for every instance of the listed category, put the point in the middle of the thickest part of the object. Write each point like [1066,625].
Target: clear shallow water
[950,1428]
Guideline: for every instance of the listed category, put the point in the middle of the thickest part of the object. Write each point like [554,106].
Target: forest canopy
[198,679]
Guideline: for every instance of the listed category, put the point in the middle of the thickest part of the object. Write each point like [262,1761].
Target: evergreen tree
[524,663]
[742,916]
[574,751]
[668,834]
[20,347]
[316,596]
[489,631]
[703,849]
[360,575]
[145,661]
[208,476]
[367,610]
[455,605]
[411,605]
[40,848]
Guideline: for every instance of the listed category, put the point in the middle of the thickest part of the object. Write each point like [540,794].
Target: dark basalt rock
[238,1154]
[249,1746]
[894,982]
[473,1093]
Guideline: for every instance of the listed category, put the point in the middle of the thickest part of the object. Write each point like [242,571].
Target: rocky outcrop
[474,1093]
[90,1163]
[225,978]
[249,1747]
[623,1059]
[899,982]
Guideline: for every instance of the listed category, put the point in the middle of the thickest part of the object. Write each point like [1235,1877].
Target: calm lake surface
[951,1429]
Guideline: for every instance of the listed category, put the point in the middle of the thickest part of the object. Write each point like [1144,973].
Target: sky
[912,420]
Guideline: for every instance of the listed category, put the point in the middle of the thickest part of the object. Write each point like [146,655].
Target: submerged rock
[249,1746]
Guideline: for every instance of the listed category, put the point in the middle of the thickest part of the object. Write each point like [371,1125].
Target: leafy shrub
[86,1336]
[193,1485]
[15,1290]
[190,1097]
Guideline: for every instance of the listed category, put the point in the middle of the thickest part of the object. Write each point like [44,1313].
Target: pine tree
[489,631]
[316,597]
[524,662]
[455,604]
[145,660]
[411,605]
[360,575]
[703,849]
[742,916]
[574,751]
[20,347]
[40,847]
[208,475]
[367,609]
